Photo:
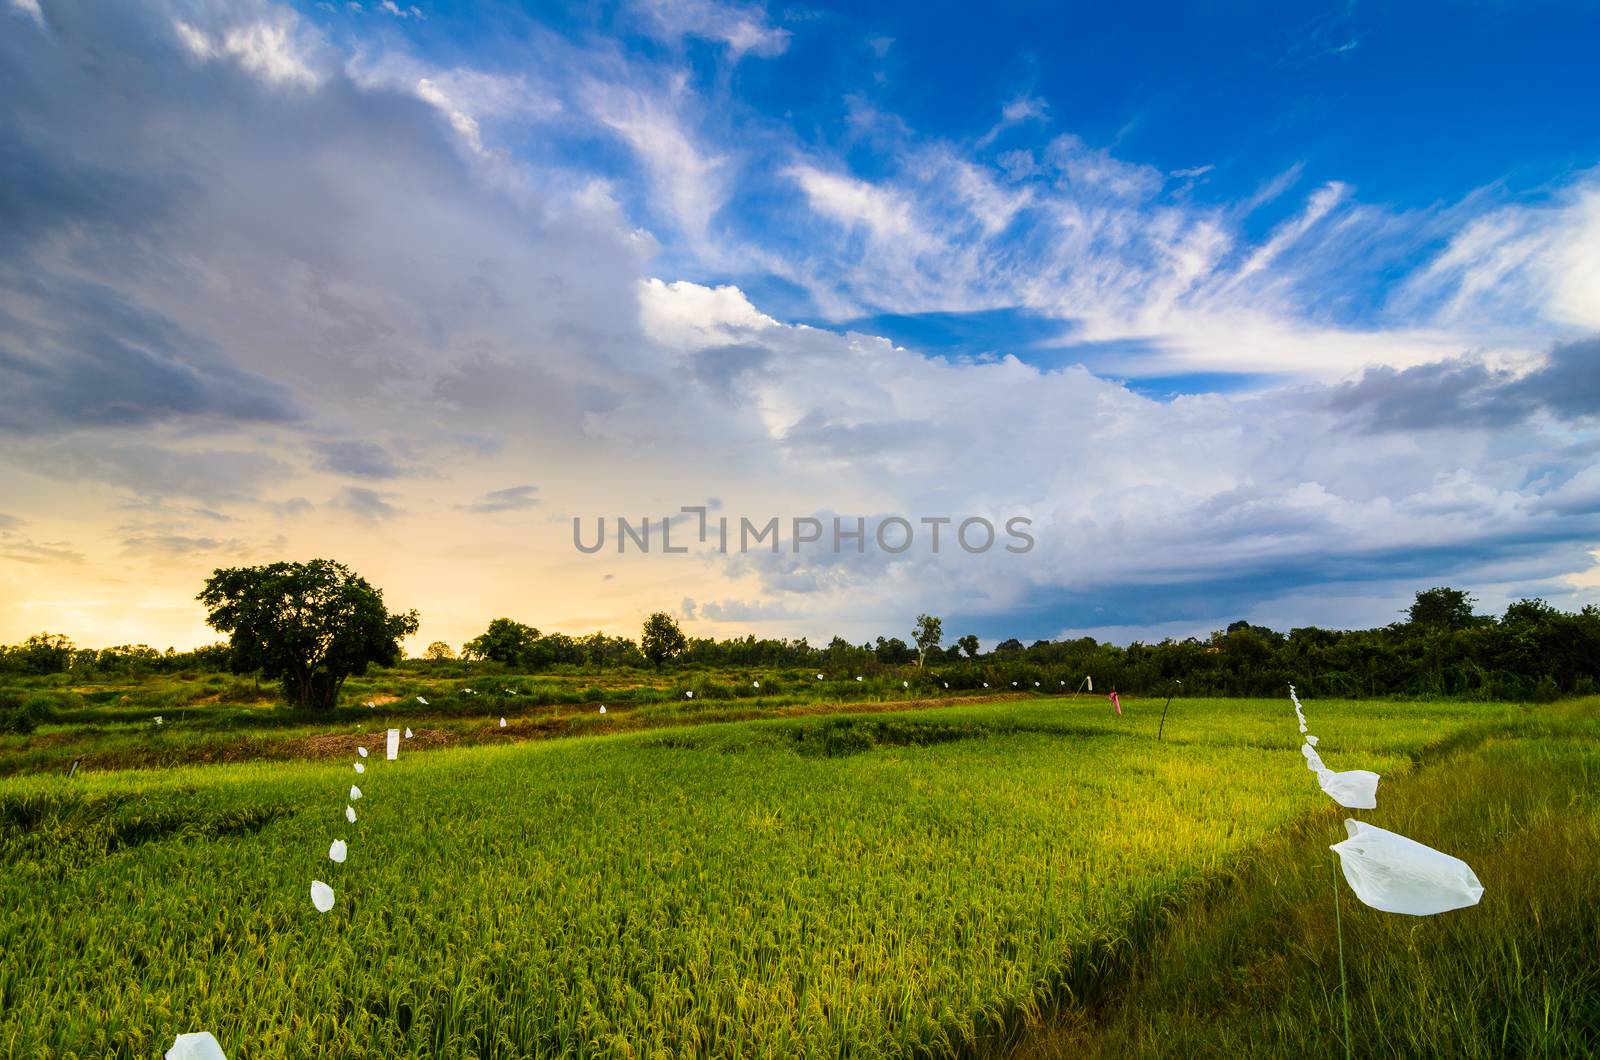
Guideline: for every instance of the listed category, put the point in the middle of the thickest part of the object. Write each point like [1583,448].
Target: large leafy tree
[661,639]
[310,625]
[505,641]
[1443,607]
[928,634]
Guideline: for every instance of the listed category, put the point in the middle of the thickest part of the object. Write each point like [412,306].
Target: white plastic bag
[1354,789]
[392,750]
[1400,875]
[1313,760]
[337,851]
[321,896]
[198,1046]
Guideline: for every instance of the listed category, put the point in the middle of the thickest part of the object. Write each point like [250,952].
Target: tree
[43,653]
[310,625]
[661,639]
[1442,606]
[1010,646]
[505,641]
[439,651]
[893,651]
[969,644]
[928,634]
[1529,612]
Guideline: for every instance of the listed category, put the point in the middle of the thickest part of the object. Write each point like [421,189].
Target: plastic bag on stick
[1400,875]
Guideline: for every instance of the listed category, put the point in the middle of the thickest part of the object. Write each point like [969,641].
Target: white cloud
[1125,492]
[278,52]
[690,182]
[1517,266]
[881,211]
[467,97]
[464,123]
[31,9]
[494,332]
[687,315]
[270,52]
[1095,171]
[744,28]
[1021,109]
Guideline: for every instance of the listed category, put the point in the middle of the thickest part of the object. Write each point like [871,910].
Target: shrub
[22,714]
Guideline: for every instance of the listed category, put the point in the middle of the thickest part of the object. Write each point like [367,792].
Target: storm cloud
[1468,394]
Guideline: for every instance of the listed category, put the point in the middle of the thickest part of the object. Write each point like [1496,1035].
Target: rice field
[940,882]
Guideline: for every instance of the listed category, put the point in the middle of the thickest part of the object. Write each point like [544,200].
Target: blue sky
[1257,311]
[1411,105]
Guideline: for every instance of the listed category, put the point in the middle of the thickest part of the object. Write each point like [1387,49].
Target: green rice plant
[940,882]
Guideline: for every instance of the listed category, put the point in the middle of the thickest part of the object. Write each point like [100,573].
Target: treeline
[52,653]
[1532,652]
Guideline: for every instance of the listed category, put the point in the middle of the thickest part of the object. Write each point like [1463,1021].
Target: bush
[20,714]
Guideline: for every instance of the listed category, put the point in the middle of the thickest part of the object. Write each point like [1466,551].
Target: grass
[1251,967]
[963,880]
[214,718]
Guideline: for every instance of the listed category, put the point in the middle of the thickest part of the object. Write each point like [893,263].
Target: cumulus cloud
[278,50]
[1192,502]
[228,243]
[1469,394]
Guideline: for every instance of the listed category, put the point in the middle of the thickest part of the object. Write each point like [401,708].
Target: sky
[1261,311]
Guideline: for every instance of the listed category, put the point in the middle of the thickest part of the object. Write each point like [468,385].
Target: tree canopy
[505,641]
[310,625]
[1443,606]
[661,638]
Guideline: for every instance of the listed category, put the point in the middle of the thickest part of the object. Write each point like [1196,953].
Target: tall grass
[916,884]
[1252,970]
